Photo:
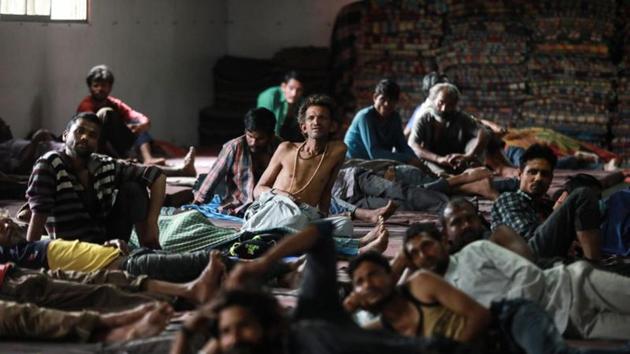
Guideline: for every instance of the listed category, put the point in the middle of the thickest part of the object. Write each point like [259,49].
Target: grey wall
[262,27]
[161,52]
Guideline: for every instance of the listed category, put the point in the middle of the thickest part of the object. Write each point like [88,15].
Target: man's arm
[430,288]
[40,194]
[510,210]
[215,175]
[495,264]
[129,115]
[399,264]
[403,147]
[265,100]
[417,145]
[36,227]
[151,238]
[268,177]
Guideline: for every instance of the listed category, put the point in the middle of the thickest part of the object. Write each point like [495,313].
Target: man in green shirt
[284,101]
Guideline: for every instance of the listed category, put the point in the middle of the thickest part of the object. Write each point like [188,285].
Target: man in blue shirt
[376,130]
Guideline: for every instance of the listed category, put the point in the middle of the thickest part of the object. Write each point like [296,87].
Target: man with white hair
[449,140]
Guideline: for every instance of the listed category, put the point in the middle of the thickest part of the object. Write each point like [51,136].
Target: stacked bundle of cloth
[343,55]
[621,125]
[484,55]
[570,68]
[396,42]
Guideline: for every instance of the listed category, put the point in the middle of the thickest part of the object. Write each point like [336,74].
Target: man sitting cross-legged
[80,256]
[295,189]
[549,229]
[585,302]
[447,139]
[427,306]
[376,130]
[123,127]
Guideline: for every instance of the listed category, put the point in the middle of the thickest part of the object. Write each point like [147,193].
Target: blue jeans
[530,329]
[514,155]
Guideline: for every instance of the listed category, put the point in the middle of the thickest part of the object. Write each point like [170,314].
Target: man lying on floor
[17,156]
[58,305]
[374,183]
[28,321]
[585,302]
[59,254]
[425,305]
[68,260]
[251,321]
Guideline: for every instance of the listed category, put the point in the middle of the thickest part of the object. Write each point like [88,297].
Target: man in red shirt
[123,127]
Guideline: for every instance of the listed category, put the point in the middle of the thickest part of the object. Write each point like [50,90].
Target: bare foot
[188,169]
[373,215]
[206,285]
[372,234]
[468,176]
[385,212]
[612,165]
[482,188]
[117,319]
[379,244]
[476,173]
[149,324]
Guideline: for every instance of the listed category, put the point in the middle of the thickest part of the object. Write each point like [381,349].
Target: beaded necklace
[295,169]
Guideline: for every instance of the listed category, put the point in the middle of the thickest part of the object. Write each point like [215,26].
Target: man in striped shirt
[77,194]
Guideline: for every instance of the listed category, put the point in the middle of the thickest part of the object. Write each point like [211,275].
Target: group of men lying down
[469,286]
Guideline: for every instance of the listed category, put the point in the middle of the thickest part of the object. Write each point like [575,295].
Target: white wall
[259,28]
[161,52]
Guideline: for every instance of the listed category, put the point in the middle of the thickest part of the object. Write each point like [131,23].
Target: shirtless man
[306,171]
[295,189]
